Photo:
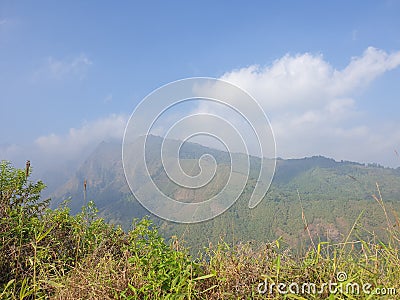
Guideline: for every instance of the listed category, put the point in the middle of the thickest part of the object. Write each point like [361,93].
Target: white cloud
[314,108]
[75,67]
[305,80]
[81,140]
[362,70]
[55,157]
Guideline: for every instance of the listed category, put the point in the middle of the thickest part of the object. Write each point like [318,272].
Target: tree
[20,208]
[17,193]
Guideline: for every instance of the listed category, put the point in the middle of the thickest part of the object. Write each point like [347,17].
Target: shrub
[51,254]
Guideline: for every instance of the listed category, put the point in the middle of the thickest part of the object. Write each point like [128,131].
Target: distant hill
[332,194]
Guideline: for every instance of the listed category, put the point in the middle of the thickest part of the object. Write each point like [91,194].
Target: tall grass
[50,254]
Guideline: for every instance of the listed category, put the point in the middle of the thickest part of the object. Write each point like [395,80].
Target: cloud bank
[78,140]
[61,154]
[314,108]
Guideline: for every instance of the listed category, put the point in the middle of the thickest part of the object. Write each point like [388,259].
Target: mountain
[331,195]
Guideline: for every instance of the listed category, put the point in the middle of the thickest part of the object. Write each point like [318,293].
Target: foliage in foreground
[51,254]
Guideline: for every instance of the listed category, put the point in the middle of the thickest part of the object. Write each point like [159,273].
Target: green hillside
[331,194]
[52,254]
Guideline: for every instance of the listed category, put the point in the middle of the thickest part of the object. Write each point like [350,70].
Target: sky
[327,73]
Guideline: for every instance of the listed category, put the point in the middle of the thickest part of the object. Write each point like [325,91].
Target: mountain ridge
[105,164]
[332,193]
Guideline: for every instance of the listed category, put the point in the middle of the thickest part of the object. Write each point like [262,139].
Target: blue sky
[71,72]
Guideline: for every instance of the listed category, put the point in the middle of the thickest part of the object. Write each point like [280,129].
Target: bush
[51,254]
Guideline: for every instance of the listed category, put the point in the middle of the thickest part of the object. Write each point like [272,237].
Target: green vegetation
[331,194]
[48,253]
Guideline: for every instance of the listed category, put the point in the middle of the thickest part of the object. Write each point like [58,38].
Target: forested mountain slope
[331,194]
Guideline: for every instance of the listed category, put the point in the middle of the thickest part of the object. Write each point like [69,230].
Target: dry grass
[53,255]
